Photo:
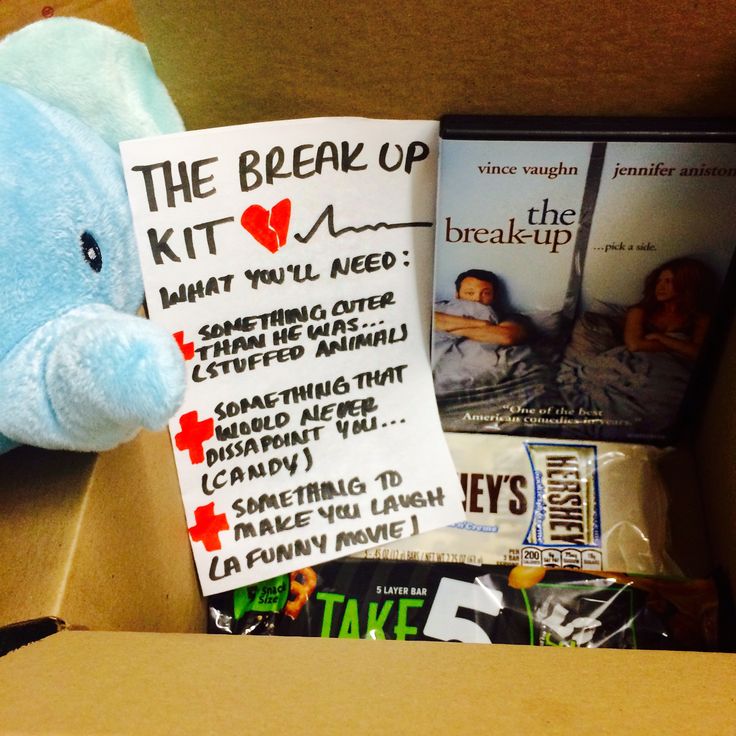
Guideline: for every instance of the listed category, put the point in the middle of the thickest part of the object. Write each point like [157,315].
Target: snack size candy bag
[487,604]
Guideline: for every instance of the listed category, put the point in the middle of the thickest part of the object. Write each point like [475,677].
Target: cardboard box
[128,683]
[225,64]
[99,542]
[16,14]
[78,531]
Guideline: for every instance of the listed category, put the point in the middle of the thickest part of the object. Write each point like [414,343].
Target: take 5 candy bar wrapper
[540,502]
[371,599]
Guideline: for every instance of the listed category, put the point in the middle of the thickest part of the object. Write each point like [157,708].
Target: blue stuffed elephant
[79,369]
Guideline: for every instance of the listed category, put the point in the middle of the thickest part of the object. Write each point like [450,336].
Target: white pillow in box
[595,506]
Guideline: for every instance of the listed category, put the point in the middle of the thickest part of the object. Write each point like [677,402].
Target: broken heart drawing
[268,227]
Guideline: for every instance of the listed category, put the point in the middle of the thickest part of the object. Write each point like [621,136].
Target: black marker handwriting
[329,215]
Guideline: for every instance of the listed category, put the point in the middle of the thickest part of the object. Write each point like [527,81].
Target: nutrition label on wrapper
[570,557]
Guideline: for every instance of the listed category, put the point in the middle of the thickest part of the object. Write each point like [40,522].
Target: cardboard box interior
[422,58]
[109,546]
[119,14]
[100,542]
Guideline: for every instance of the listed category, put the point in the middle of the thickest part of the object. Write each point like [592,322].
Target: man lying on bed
[470,314]
[474,346]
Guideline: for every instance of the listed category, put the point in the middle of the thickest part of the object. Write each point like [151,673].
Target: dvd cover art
[577,281]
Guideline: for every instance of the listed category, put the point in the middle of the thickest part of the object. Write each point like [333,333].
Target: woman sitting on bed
[674,314]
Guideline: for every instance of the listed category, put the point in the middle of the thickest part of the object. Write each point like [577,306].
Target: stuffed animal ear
[100,75]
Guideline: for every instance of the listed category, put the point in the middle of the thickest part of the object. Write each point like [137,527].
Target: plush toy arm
[89,380]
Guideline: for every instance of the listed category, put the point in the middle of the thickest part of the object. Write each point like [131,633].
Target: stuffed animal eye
[91,251]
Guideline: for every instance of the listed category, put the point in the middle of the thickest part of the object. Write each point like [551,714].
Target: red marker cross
[208,527]
[193,434]
[187,348]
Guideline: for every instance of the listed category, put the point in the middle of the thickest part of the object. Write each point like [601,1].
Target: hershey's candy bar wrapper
[551,503]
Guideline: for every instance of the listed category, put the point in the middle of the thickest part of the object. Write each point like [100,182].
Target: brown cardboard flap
[97,541]
[228,63]
[94,682]
[42,500]
[133,568]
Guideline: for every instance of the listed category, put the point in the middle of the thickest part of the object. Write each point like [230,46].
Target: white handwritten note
[283,258]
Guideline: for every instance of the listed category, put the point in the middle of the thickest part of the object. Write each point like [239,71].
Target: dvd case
[581,271]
